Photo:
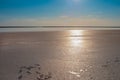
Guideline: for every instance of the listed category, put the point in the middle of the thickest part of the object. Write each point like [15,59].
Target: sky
[59,12]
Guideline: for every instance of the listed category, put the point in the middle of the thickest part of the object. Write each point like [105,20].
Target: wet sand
[68,55]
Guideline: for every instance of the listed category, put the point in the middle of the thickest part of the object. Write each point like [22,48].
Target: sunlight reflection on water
[74,73]
[76,32]
[76,38]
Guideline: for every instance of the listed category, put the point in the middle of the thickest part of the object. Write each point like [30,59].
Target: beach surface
[67,55]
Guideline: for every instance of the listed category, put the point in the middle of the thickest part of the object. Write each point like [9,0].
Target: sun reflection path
[76,32]
[76,38]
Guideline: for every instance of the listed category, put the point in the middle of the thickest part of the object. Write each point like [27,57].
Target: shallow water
[68,55]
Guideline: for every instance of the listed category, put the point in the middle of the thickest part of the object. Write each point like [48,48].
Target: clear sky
[60,12]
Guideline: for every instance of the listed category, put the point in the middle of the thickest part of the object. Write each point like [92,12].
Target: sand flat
[68,55]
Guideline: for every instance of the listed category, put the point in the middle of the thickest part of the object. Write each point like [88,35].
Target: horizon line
[59,26]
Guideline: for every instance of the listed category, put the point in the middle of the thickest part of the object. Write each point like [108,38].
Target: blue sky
[60,12]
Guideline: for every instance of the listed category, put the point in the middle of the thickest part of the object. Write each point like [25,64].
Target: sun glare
[76,37]
[76,0]
[76,32]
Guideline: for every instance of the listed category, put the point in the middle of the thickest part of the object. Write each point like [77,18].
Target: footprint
[105,65]
[117,60]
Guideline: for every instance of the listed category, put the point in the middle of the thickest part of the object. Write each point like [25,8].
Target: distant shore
[54,28]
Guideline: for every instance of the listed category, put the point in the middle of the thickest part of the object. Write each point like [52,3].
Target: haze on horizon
[60,13]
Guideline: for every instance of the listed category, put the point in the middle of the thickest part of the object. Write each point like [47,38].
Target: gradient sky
[60,12]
